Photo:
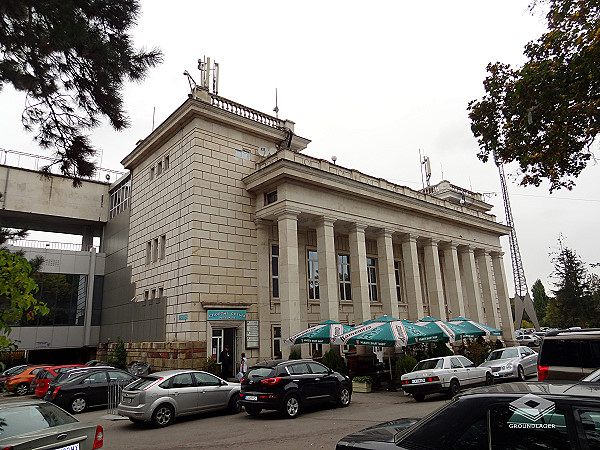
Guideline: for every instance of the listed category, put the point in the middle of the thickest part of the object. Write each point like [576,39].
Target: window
[466,362]
[372,279]
[160,292]
[152,173]
[182,380]
[163,246]
[242,154]
[153,296]
[148,252]
[118,376]
[146,295]
[204,379]
[398,274]
[166,162]
[98,377]
[590,420]
[298,369]
[119,199]
[275,271]
[155,250]
[317,368]
[276,342]
[271,197]
[455,363]
[313,275]
[159,168]
[344,276]
[316,350]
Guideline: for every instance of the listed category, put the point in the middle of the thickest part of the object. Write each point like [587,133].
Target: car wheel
[291,407]
[163,415]
[22,389]
[78,405]
[253,410]
[489,379]
[234,407]
[454,388]
[521,373]
[343,397]
[419,397]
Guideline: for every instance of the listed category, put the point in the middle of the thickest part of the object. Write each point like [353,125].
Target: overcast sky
[371,85]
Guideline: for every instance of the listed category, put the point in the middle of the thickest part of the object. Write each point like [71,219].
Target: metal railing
[244,111]
[114,397]
[51,245]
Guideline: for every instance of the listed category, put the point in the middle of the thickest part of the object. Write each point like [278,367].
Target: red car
[42,380]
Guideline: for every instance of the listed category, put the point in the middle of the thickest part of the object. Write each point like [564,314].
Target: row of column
[462,292]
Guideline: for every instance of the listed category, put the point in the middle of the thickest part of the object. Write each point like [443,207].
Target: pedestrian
[225,360]
[243,367]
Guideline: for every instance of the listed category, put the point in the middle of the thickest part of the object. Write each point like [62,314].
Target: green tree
[544,115]
[540,300]
[71,58]
[17,290]
[118,356]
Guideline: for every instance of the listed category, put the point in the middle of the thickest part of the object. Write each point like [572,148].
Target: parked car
[529,340]
[37,424]
[39,385]
[288,386]
[162,396]
[593,377]
[569,354]
[512,415]
[96,362]
[20,383]
[88,388]
[10,372]
[512,362]
[446,374]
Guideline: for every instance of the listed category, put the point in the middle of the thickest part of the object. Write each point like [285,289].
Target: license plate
[496,374]
[126,400]
[70,447]
[251,398]
[418,380]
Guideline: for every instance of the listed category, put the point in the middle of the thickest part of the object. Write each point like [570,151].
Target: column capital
[409,237]
[288,214]
[432,241]
[359,226]
[449,245]
[326,220]
[466,249]
[481,251]
[262,223]
[385,232]
[496,254]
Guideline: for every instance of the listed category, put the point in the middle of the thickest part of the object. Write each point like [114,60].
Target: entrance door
[222,337]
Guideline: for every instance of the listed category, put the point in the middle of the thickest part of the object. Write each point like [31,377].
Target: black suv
[569,354]
[288,385]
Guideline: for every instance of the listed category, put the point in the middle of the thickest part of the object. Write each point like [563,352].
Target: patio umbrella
[323,333]
[476,327]
[452,330]
[388,332]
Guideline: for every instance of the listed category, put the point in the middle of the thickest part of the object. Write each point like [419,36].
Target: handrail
[245,111]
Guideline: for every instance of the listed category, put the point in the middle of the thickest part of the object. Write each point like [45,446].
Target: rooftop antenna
[421,167]
[425,166]
[276,109]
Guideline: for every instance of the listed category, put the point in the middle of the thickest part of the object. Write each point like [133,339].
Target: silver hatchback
[162,396]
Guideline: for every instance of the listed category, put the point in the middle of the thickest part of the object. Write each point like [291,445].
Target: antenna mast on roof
[276,109]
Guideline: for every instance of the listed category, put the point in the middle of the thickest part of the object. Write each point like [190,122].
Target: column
[289,285]
[411,275]
[473,307]
[89,299]
[358,273]
[433,274]
[387,278]
[328,274]
[487,288]
[454,291]
[508,329]
[264,287]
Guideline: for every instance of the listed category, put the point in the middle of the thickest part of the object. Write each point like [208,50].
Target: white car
[446,374]
[528,339]
[512,362]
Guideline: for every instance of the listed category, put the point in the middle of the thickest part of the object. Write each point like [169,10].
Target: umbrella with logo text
[475,327]
[452,330]
[323,333]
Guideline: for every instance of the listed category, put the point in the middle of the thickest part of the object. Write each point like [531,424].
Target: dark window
[590,420]
[19,420]
[182,380]
[276,342]
[344,276]
[298,369]
[318,368]
[141,383]
[64,294]
[119,376]
[561,352]
[271,197]
[313,275]
[99,377]
[475,438]
[204,379]
[275,270]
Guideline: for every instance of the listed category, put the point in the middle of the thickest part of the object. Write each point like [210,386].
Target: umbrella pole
[392,383]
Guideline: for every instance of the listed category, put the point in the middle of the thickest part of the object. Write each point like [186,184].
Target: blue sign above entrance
[227,314]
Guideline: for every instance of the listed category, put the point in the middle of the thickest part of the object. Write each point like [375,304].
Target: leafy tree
[118,356]
[544,115]
[210,365]
[71,57]
[17,290]
[333,360]
[540,300]
[404,364]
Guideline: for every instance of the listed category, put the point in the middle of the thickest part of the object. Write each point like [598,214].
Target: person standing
[225,360]
[243,367]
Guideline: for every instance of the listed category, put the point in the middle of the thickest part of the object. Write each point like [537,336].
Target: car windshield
[429,364]
[259,372]
[15,370]
[27,418]
[141,383]
[504,354]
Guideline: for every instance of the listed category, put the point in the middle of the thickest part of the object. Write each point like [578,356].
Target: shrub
[333,360]
[210,365]
[404,364]
[363,379]
[295,355]
[118,356]
[438,349]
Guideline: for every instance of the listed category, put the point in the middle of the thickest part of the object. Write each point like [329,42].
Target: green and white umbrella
[452,330]
[324,333]
[388,332]
[477,328]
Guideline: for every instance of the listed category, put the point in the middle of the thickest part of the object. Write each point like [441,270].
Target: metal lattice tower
[522,299]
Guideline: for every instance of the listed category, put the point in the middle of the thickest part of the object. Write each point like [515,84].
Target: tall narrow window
[148,252]
[153,295]
[160,292]
[152,173]
[146,295]
[155,250]
[276,342]
[398,274]
[275,270]
[313,275]
[159,168]
[344,276]
[372,278]
[163,246]
[167,162]
[271,197]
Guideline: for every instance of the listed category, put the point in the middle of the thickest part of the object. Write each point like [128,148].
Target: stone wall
[161,355]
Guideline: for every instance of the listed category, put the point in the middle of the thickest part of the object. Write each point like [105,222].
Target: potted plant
[362,384]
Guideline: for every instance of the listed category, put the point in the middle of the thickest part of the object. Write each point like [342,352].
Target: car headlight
[507,366]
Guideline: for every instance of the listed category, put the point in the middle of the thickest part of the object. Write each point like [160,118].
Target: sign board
[226,314]
[252,334]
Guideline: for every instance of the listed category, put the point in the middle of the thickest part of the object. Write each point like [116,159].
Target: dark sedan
[287,386]
[517,415]
[88,388]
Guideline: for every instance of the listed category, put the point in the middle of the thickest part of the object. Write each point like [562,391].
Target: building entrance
[221,338]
